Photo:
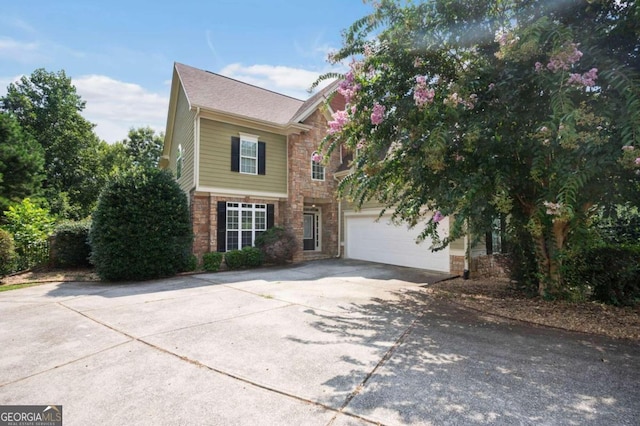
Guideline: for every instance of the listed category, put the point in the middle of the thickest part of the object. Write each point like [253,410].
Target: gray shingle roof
[212,91]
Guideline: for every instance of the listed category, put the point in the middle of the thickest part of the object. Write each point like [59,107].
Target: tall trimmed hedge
[141,228]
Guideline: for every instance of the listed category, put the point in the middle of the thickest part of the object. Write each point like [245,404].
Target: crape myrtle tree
[478,109]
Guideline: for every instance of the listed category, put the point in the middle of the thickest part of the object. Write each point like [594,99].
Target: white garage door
[384,242]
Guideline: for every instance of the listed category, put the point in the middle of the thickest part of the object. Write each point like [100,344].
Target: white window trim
[314,164]
[243,207]
[252,139]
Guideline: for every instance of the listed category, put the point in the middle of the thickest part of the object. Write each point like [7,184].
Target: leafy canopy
[21,163]
[482,109]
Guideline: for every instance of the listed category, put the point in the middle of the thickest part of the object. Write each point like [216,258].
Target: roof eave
[303,115]
[243,120]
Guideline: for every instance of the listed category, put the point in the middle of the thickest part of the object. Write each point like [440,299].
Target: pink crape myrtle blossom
[437,216]
[340,118]
[637,161]
[587,79]
[565,58]
[539,66]
[316,158]
[378,114]
[422,95]
[348,87]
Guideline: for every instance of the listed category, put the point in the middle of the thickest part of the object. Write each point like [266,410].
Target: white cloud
[286,80]
[20,51]
[5,81]
[116,106]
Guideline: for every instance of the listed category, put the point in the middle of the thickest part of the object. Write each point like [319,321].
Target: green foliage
[620,225]
[141,227]
[21,163]
[235,259]
[70,244]
[612,272]
[144,147]
[7,253]
[253,257]
[486,109]
[277,244]
[211,261]
[192,264]
[49,110]
[30,226]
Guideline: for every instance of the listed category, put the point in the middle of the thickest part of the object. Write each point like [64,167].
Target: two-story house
[245,157]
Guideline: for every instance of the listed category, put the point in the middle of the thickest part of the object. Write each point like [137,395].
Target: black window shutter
[262,158]
[235,154]
[270,216]
[222,226]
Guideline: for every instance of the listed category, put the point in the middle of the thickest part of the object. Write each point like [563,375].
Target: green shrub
[277,244]
[192,264]
[70,244]
[211,261]
[235,259]
[611,271]
[253,257]
[31,227]
[141,227]
[7,253]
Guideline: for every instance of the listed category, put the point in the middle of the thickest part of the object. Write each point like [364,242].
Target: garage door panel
[382,241]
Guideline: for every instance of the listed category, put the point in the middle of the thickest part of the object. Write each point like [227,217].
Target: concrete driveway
[324,343]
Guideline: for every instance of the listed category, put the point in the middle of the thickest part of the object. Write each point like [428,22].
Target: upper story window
[317,169]
[248,154]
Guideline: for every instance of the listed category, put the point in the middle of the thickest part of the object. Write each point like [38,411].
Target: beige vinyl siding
[215,159]
[183,135]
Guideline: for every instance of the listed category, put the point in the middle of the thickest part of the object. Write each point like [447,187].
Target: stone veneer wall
[301,186]
[491,265]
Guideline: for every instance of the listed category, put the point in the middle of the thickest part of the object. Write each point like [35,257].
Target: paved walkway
[324,343]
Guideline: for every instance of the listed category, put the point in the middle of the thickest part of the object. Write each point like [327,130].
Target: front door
[309,232]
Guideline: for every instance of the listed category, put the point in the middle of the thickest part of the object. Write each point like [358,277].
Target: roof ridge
[243,82]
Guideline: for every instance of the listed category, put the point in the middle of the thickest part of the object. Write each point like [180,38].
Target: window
[179,162]
[317,169]
[248,156]
[495,239]
[244,223]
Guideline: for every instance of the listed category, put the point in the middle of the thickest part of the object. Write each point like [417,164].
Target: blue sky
[120,53]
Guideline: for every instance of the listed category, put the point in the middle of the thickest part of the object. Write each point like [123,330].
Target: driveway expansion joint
[380,363]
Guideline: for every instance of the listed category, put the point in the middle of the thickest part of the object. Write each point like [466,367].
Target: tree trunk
[547,260]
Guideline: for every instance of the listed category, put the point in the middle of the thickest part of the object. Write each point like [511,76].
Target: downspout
[467,255]
[196,150]
[339,252]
